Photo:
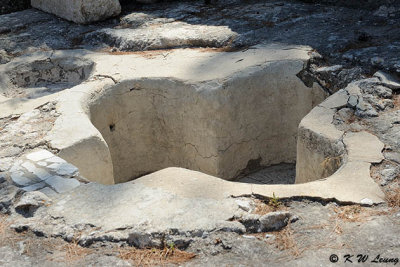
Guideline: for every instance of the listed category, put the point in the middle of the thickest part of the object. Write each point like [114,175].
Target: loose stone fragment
[274,221]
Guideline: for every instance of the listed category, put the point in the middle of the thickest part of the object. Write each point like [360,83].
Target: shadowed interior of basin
[232,130]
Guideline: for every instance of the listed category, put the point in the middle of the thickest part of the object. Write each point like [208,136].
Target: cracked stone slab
[42,171]
[363,146]
[140,206]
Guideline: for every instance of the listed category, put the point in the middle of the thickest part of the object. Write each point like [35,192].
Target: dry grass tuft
[73,251]
[353,213]
[285,240]
[393,198]
[356,213]
[396,102]
[154,256]
[4,228]
[3,225]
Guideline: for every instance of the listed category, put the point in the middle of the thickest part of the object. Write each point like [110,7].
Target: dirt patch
[393,198]
[285,240]
[263,207]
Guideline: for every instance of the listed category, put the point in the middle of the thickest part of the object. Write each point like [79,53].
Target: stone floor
[283,173]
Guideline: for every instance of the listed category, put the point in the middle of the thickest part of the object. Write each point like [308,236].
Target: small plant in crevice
[274,202]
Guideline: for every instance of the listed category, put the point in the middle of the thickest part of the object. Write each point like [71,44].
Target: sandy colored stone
[221,112]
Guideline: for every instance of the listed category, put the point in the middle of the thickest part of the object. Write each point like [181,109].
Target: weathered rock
[80,11]
[379,90]
[387,80]
[388,174]
[164,36]
[4,57]
[143,240]
[64,169]
[364,109]
[2,178]
[30,202]
[394,156]
[7,196]
[244,205]
[274,221]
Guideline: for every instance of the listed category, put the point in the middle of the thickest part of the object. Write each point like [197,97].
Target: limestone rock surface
[80,11]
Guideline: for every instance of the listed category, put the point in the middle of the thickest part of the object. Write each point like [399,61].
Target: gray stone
[274,221]
[34,187]
[7,196]
[21,180]
[48,191]
[62,185]
[244,205]
[11,257]
[379,90]
[353,101]
[63,169]
[2,178]
[364,109]
[385,103]
[394,156]
[4,57]
[389,174]
[387,80]
[366,202]
[41,174]
[80,11]
[31,201]
[143,240]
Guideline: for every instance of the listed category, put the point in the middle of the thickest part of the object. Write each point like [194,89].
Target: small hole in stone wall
[112,127]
